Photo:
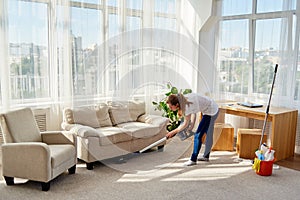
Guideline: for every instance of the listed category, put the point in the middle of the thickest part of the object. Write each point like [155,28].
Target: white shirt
[200,103]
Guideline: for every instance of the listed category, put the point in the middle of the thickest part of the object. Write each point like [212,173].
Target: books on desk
[250,105]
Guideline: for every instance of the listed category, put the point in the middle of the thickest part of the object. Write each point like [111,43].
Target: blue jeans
[206,125]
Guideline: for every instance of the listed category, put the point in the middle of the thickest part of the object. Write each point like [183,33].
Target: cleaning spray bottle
[264,148]
[261,155]
[269,155]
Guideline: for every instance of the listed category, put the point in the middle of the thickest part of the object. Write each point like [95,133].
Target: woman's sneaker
[190,163]
[203,159]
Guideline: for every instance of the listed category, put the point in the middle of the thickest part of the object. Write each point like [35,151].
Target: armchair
[30,154]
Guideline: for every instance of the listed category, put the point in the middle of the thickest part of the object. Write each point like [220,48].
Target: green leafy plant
[167,112]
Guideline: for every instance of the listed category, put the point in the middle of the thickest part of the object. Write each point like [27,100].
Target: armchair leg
[72,170]
[90,166]
[9,180]
[45,186]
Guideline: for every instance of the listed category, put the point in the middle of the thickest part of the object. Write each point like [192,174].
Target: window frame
[253,17]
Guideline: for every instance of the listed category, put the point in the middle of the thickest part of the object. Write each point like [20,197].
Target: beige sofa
[112,129]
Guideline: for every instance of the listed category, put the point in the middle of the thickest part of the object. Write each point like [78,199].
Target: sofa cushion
[136,109]
[113,135]
[119,115]
[126,111]
[86,116]
[61,153]
[140,130]
[103,115]
[107,135]
[153,119]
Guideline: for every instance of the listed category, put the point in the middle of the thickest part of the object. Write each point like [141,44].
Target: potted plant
[167,112]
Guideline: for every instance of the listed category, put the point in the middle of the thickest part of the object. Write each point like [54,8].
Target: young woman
[190,104]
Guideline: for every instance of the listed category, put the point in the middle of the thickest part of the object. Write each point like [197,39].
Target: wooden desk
[284,125]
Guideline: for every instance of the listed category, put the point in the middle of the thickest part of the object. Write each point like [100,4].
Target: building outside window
[56,48]
[254,36]
[28,50]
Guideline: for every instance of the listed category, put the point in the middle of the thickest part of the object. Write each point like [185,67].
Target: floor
[292,163]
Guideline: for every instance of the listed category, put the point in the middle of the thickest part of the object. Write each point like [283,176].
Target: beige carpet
[161,175]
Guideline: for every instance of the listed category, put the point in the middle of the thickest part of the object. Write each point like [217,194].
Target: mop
[257,161]
[267,108]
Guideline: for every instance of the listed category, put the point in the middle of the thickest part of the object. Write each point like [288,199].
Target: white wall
[206,66]
[203,8]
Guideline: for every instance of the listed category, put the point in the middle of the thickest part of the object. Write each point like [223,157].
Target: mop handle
[268,107]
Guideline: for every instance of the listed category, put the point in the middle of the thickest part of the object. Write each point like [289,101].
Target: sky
[269,32]
[28,14]
[28,21]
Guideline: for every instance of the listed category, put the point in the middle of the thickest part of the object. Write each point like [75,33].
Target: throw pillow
[119,115]
[103,115]
[85,116]
[136,109]
[68,116]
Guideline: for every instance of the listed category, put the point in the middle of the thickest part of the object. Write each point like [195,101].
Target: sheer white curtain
[24,44]
[249,47]
[4,55]
[74,52]
[139,49]
[251,41]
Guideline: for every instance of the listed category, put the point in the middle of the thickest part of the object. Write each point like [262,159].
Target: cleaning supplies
[269,155]
[265,153]
[264,148]
[261,155]
[263,163]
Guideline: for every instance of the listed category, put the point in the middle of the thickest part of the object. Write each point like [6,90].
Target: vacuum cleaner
[183,135]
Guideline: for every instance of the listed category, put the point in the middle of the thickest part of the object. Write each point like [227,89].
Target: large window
[236,7]
[61,51]
[86,35]
[264,6]
[165,19]
[28,50]
[254,36]
[267,52]
[234,56]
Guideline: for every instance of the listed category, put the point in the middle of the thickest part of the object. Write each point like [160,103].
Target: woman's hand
[180,128]
[170,134]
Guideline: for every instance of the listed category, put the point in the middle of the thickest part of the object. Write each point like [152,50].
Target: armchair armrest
[58,137]
[154,120]
[17,158]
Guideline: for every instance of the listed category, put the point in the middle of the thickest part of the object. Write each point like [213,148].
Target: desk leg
[284,127]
